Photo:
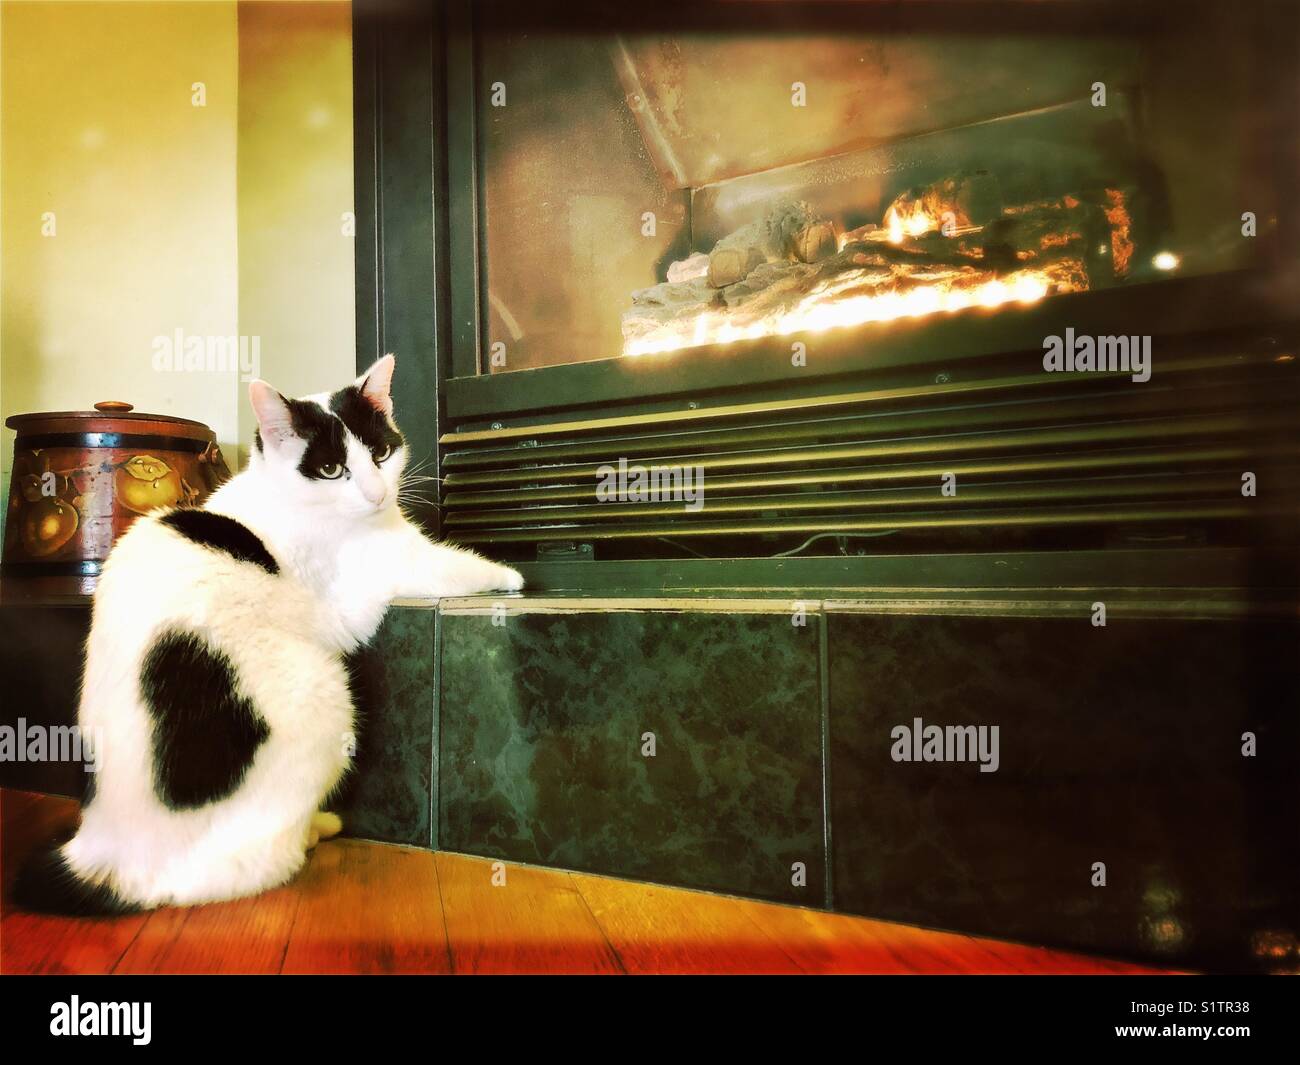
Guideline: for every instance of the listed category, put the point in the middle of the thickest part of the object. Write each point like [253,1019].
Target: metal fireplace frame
[420,254]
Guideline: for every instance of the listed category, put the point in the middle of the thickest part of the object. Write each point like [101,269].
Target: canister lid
[109,416]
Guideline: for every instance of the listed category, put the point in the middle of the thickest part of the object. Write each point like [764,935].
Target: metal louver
[1059,455]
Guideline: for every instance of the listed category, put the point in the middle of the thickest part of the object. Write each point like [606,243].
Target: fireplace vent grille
[1058,458]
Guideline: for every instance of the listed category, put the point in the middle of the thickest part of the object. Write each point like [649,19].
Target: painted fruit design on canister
[47,519]
[144,483]
[68,503]
[43,508]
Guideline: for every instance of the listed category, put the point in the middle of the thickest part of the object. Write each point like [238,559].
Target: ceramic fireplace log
[789,231]
[689,269]
[1032,234]
[774,290]
[815,242]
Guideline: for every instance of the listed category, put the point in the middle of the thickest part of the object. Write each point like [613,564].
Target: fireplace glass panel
[651,192]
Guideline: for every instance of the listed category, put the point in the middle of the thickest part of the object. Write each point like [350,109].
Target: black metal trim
[400,175]
[109,440]
[464,193]
[1255,571]
[85,568]
[1075,17]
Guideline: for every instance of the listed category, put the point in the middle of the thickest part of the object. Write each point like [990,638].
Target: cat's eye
[331,471]
[383,453]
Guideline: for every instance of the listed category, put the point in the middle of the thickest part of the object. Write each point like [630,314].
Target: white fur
[344,551]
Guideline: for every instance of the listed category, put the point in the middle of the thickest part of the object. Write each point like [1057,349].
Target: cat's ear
[376,383]
[273,418]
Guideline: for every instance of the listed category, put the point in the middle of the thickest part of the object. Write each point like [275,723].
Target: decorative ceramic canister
[81,477]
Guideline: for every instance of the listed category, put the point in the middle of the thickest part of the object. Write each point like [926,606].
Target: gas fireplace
[830,369]
[817,254]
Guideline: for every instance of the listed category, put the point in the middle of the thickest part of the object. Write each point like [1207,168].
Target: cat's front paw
[510,580]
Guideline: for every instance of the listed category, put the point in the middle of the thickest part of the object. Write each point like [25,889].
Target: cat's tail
[47,883]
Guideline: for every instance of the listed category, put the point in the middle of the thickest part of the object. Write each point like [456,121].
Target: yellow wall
[218,220]
[97,126]
[295,184]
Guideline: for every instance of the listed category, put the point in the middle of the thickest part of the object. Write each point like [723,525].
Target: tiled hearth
[547,713]
[521,728]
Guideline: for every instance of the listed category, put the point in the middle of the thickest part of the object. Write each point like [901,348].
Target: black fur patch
[47,884]
[205,733]
[363,421]
[323,433]
[221,534]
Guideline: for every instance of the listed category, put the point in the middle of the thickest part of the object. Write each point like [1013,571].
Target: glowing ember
[1121,225]
[841,302]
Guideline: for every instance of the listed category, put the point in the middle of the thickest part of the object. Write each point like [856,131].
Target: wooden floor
[372,908]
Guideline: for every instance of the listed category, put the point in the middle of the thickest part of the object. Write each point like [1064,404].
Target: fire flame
[911,222]
[834,306]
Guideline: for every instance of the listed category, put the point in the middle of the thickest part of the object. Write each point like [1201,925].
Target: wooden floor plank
[536,922]
[61,946]
[657,929]
[34,943]
[369,909]
[835,943]
[839,943]
[998,956]
[246,936]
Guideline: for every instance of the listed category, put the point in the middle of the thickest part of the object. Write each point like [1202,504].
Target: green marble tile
[542,726]
[1119,745]
[390,791]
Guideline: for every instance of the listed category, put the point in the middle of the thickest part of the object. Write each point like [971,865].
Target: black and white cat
[214,683]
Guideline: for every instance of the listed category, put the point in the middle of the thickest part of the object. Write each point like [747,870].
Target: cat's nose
[374,491]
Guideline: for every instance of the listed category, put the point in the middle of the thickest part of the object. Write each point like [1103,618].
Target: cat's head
[334,451]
